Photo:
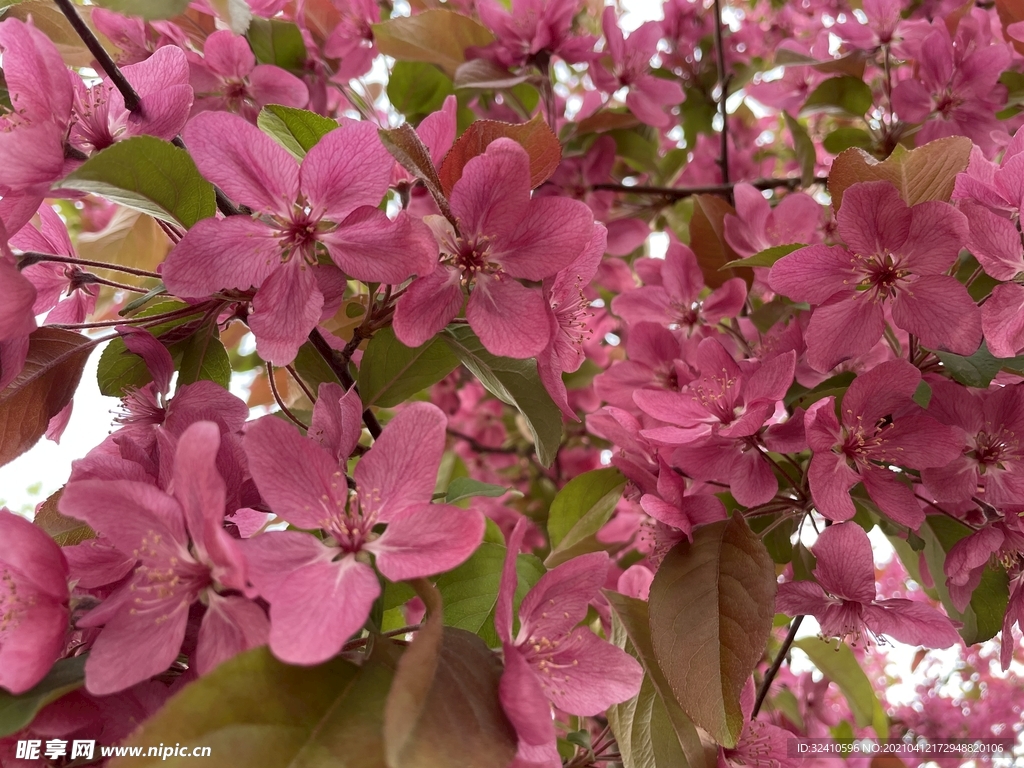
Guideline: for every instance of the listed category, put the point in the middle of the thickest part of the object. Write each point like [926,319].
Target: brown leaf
[406,147]
[711,609]
[42,389]
[131,239]
[48,19]
[443,707]
[535,137]
[64,530]
[436,36]
[707,240]
[925,173]
[485,75]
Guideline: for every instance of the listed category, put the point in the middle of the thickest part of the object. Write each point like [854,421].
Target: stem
[678,193]
[139,321]
[277,396]
[131,98]
[93,279]
[302,385]
[28,258]
[945,512]
[477,446]
[723,85]
[340,370]
[773,670]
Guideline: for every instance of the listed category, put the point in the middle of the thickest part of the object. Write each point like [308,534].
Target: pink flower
[552,659]
[1014,615]
[503,235]
[677,302]
[330,202]
[136,38]
[532,31]
[760,743]
[33,603]
[100,116]
[321,592]
[757,226]
[228,78]
[844,600]
[672,506]
[998,187]
[881,426]
[967,559]
[351,40]
[184,555]
[627,64]
[895,254]
[17,320]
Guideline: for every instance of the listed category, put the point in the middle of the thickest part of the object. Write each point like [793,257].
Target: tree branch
[723,87]
[341,371]
[131,98]
[773,670]
[280,401]
[678,193]
[28,258]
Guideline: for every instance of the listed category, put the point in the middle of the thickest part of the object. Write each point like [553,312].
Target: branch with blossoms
[591,383]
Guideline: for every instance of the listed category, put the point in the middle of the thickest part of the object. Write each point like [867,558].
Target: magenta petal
[428,305]
[524,702]
[400,470]
[801,598]
[842,329]
[846,567]
[228,55]
[154,354]
[510,319]
[347,168]
[272,85]
[286,308]
[874,219]
[493,194]
[1002,318]
[994,241]
[503,613]
[938,310]
[337,420]
[590,674]
[894,498]
[368,246]
[215,254]
[831,480]
[231,625]
[814,274]
[315,609]
[427,540]
[572,586]
[33,639]
[26,548]
[752,479]
[911,622]
[273,555]
[162,113]
[551,234]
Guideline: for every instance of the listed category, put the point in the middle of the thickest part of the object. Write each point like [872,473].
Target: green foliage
[150,10]
[434,36]
[579,511]
[277,42]
[149,175]
[391,373]
[296,130]
[466,487]
[837,662]
[416,89]
[765,258]
[18,711]
[841,95]
[979,369]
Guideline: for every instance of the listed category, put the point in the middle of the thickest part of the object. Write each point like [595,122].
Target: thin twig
[341,371]
[773,670]
[131,98]
[723,86]
[277,396]
[28,258]
[302,385]
[477,446]
[678,193]
[141,322]
[90,279]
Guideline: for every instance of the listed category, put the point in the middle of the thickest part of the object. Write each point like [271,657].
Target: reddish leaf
[711,609]
[46,384]
[443,706]
[707,239]
[535,137]
[1011,11]
[406,147]
[925,173]
[485,75]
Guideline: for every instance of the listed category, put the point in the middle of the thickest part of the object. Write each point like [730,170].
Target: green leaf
[711,608]
[579,511]
[391,372]
[975,370]
[435,36]
[923,394]
[149,175]
[416,89]
[843,95]
[514,382]
[765,258]
[296,130]
[46,384]
[843,138]
[66,531]
[203,358]
[983,616]
[277,42]
[263,712]
[652,730]
[466,487]
[470,592]
[18,711]
[150,10]
[806,154]
[119,370]
[837,662]
[312,367]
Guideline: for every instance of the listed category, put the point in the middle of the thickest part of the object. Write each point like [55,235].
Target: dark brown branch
[678,193]
[773,670]
[28,258]
[340,369]
[723,88]
[280,401]
[131,98]
[479,447]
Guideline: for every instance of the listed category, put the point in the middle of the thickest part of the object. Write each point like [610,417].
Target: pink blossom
[330,202]
[893,253]
[655,360]
[677,301]
[184,555]
[136,38]
[228,78]
[321,592]
[532,31]
[503,235]
[881,426]
[998,187]
[351,40]
[757,226]
[844,600]
[759,743]
[967,559]
[683,511]
[627,64]
[165,98]
[33,603]
[1014,615]
[552,659]
[1002,319]
[17,319]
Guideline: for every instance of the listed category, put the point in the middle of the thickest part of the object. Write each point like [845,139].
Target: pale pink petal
[911,622]
[58,423]
[801,598]
[939,311]
[248,165]
[162,113]
[427,306]
[272,85]
[845,567]
[400,470]
[96,563]
[572,585]
[26,548]
[510,319]
[33,638]
[427,540]
[831,480]
[231,625]
[994,241]
[36,77]
[552,232]
[636,582]
[1002,318]
[347,168]
[937,233]
[503,613]
[228,55]
[286,308]
[368,246]
[438,129]
[273,555]
[590,675]
[525,704]
[493,194]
